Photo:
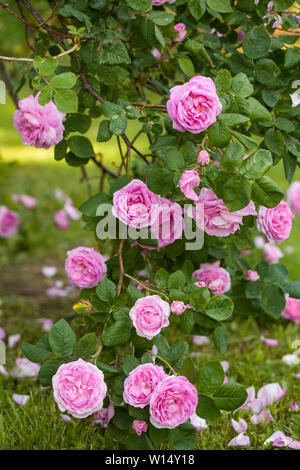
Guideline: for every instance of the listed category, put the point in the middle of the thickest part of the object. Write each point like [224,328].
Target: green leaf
[161,18]
[257,164]
[130,363]
[222,6]
[220,307]
[158,436]
[140,5]
[62,338]
[108,371]
[118,125]
[90,206]
[241,86]
[210,377]
[291,58]
[135,442]
[104,132]
[219,135]
[64,80]
[233,157]
[233,119]
[223,80]
[206,408]
[114,52]
[77,122]
[34,353]
[106,290]
[266,192]
[200,298]
[230,396]
[274,141]
[161,278]
[236,193]
[221,338]
[257,42]
[177,354]
[118,333]
[86,346]
[186,66]
[122,419]
[273,300]
[176,280]
[197,8]
[48,66]
[159,36]
[266,71]
[81,146]
[183,437]
[66,101]
[45,95]
[189,369]
[47,371]
[257,111]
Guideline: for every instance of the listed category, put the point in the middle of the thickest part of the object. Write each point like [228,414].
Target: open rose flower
[79,388]
[9,222]
[85,267]
[139,426]
[293,197]
[275,223]
[216,278]
[149,315]
[40,126]
[173,402]
[188,181]
[195,105]
[141,383]
[292,309]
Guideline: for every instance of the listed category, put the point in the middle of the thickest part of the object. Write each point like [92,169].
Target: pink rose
[179,307]
[272,253]
[61,219]
[28,201]
[79,388]
[9,222]
[195,105]
[85,267]
[180,28]
[216,278]
[252,276]
[169,223]
[161,2]
[135,205]
[188,181]
[139,426]
[104,415]
[291,309]
[173,402]
[141,383]
[293,197]
[218,221]
[40,126]
[149,315]
[203,158]
[275,223]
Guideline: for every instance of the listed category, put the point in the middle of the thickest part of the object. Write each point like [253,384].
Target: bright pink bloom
[28,201]
[203,158]
[216,278]
[173,402]
[149,315]
[104,415]
[139,426]
[239,441]
[79,388]
[239,426]
[85,267]
[277,23]
[252,276]
[272,253]
[294,406]
[9,222]
[292,309]
[180,28]
[275,223]
[40,126]
[195,105]
[141,383]
[188,181]
[61,219]
[178,307]
[293,197]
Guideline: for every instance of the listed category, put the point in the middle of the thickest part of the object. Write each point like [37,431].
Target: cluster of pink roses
[85,267]
[172,399]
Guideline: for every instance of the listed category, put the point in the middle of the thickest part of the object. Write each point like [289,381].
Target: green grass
[22,289]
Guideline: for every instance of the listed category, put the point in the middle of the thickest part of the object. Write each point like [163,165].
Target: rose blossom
[180,28]
[79,388]
[252,276]
[216,278]
[272,253]
[61,219]
[28,201]
[85,267]
[203,158]
[104,415]
[293,197]
[141,383]
[218,221]
[9,222]
[135,205]
[291,309]
[178,307]
[40,126]
[168,225]
[269,341]
[195,105]
[275,223]
[173,402]
[149,315]
[188,181]
[139,426]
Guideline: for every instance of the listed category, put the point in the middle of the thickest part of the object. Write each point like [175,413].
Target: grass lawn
[22,290]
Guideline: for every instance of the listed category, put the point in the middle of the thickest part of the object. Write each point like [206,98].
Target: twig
[86,179]
[145,286]
[163,360]
[151,106]
[27,59]
[89,88]
[119,286]
[104,168]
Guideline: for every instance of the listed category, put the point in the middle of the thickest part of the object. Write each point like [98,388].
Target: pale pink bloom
[291,309]
[252,276]
[141,383]
[9,222]
[262,417]
[178,307]
[198,423]
[161,2]
[154,353]
[3,371]
[226,379]
[13,340]
[249,399]
[289,249]
[239,441]
[275,223]
[225,365]
[180,28]
[259,242]
[297,376]
[160,55]
[270,7]
[169,224]
[40,126]
[295,97]
[104,415]
[200,340]
[28,201]
[139,426]
[277,23]
[49,271]
[203,158]
[195,105]
[55,291]
[270,393]
[269,341]
[66,418]
[239,426]
[149,315]
[71,211]
[294,406]
[188,181]
[79,388]
[173,402]
[214,31]
[85,267]
[25,368]
[61,219]
[20,399]
[218,221]
[240,35]
[46,323]
[272,253]
[290,359]
[216,278]
[2,333]
[294,445]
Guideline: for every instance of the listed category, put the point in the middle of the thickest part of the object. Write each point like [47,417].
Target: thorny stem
[27,59]
[146,286]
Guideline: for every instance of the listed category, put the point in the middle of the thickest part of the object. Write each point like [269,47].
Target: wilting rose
[40,126]
[188,181]
[275,223]
[195,105]
[216,278]
[85,267]
[149,315]
[293,197]
[272,253]
[9,222]
[141,383]
[291,309]
[139,426]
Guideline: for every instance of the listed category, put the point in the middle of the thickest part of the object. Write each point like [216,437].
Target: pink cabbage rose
[218,221]
[141,383]
[61,219]
[272,253]
[251,276]
[292,309]
[216,278]
[9,222]
[173,402]
[275,223]
[85,267]
[104,415]
[180,28]
[149,315]
[188,181]
[178,307]
[40,126]
[195,105]
[28,201]
[203,158]
[79,388]
[293,197]
[139,426]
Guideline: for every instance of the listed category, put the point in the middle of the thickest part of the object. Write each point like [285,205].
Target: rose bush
[216,108]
